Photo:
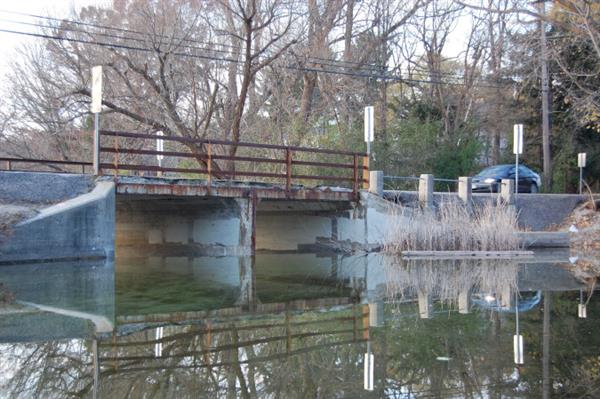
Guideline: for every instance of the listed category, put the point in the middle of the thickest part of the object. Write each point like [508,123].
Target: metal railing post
[209,163]
[288,172]
[355,177]
[365,174]
[116,157]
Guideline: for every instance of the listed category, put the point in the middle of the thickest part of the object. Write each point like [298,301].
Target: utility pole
[546,133]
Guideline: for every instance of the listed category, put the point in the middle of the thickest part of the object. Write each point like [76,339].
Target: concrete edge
[544,239]
[381,203]
[101,323]
[102,189]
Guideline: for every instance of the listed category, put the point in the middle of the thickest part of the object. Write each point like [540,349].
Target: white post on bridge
[96,108]
[369,127]
[517,149]
[160,145]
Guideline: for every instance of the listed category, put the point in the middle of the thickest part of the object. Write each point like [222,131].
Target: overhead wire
[307,59]
[335,67]
[124,30]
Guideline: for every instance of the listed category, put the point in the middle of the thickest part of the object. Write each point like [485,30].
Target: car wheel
[534,188]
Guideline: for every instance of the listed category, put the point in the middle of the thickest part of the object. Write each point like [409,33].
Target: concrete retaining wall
[81,227]
[536,211]
[39,187]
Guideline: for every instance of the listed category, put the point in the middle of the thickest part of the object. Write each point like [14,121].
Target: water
[297,326]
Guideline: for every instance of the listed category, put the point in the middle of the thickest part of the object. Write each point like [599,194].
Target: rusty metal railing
[42,165]
[215,160]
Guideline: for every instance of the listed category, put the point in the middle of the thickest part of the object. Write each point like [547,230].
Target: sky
[54,8]
[9,42]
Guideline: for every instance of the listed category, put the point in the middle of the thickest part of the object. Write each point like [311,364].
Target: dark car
[488,180]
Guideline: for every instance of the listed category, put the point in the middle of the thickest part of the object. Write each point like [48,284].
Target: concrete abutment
[80,227]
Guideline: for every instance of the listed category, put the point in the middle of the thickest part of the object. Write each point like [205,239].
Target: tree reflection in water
[54,369]
[315,348]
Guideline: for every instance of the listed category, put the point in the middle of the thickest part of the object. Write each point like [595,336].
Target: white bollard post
[465,189]
[507,191]
[376,182]
[426,191]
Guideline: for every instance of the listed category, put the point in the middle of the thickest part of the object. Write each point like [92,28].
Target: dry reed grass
[490,227]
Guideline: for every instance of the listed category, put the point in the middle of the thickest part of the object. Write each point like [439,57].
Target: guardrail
[32,164]
[213,159]
[416,179]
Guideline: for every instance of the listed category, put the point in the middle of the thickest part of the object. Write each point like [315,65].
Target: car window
[525,172]
[494,171]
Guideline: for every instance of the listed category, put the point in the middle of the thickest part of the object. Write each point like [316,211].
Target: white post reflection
[376,315]
[464,305]
[582,307]
[96,366]
[518,338]
[369,366]
[158,346]
[424,300]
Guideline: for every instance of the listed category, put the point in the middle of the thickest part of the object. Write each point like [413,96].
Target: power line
[329,62]
[102,34]
[226,59]
[124,30]
[371,69]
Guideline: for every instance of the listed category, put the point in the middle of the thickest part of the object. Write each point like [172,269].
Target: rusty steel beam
[231,191]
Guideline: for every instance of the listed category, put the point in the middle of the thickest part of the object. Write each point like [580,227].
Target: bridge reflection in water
[263,326]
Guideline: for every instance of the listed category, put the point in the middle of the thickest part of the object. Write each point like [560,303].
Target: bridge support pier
[247,207]
[247,298]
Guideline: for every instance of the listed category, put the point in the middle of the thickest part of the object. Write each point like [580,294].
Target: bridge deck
[227,189]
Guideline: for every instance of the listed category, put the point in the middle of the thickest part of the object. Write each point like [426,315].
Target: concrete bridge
[149,215]
[189,200]
[186,195]
[165,215]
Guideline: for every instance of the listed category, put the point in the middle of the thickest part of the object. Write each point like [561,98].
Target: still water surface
[297,326]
